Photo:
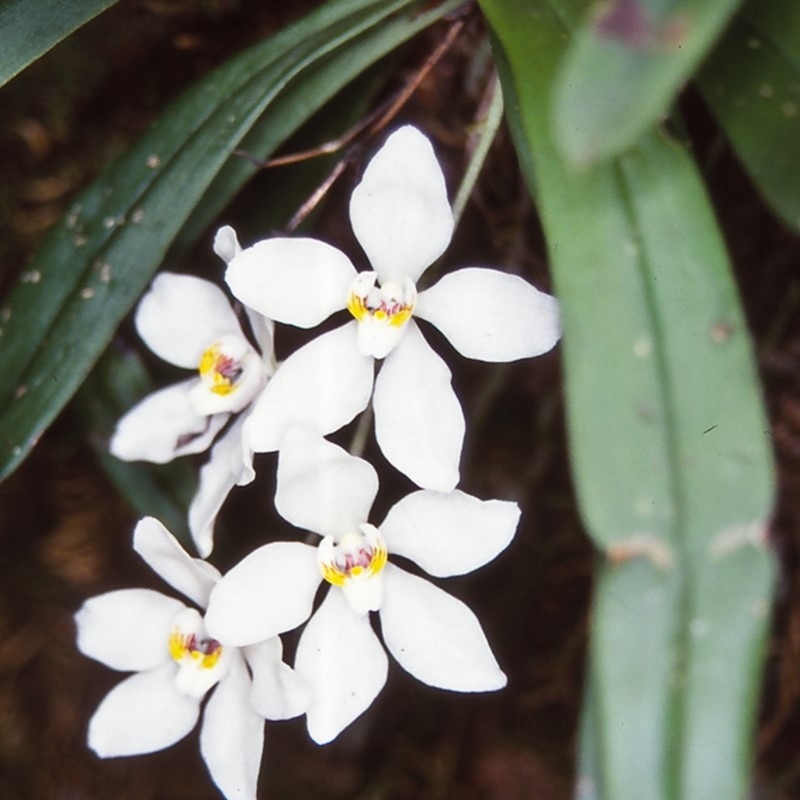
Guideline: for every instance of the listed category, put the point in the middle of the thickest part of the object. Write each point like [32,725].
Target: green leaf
[94,265]
[668,443]
[29,28]
[624,67]
[751,83]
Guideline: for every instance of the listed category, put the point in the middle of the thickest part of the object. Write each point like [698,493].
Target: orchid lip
[389,302]
[201,660]
[382,310]
[221,367]
[231,374]
[354,564]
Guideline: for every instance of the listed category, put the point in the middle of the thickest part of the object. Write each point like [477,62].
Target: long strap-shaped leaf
[668,443]
[752,85]
[29,28]
[627,61]
[92,267]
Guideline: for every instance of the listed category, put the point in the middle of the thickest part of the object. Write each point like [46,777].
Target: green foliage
[751,83]
[622,68]
[673,471]
[29,28]
[94,265]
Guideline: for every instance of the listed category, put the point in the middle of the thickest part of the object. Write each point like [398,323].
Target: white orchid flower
[189,322]
[431,634]
[402,219]
[175,662]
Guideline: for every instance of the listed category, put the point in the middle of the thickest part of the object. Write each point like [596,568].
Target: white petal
[277,691]
[181,316]
[270,591]
[228,466]
[296,281]
[321,386]
[436,637]
[419,424]
[491,315]
[232,736]
[226,244]
[449,533]
[143,714]
[400,212]
[321,487]
[345,666]
[160,549]
[164,426]
[264,334]
[127,629]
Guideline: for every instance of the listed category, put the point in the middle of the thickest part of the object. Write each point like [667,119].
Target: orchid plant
[629,200]
[403,220]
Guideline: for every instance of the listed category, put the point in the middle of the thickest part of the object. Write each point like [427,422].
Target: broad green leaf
[92,267]
[29,28]
[751,83]
[623,68]
[667,440]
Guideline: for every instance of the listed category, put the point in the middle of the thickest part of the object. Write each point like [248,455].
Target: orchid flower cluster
[225,642]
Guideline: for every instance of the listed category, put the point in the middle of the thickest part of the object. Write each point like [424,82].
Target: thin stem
[489,118]
[374,121]
[359,441]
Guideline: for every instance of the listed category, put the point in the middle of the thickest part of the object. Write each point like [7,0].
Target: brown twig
[371,124]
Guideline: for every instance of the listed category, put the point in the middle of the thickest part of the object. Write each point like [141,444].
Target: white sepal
[436,637]
[269,592]
[491,315]
[127,629]
[449,533]
[161,551]
[419,424]
[165,425]
[277,691]
[321,386]
[181,315]
[321,487]
[229,465]
[232,736]
[142,714]
[295,281]
[400,212]
[343,663]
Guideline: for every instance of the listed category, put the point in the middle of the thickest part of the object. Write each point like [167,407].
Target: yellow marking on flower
[203,652]
[356,306]
[392,312]
[219,372]
[364,561]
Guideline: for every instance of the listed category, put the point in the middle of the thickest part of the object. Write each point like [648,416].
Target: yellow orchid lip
[390,303]
[393,313]
[190,648]
[357,556]
[220,371]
